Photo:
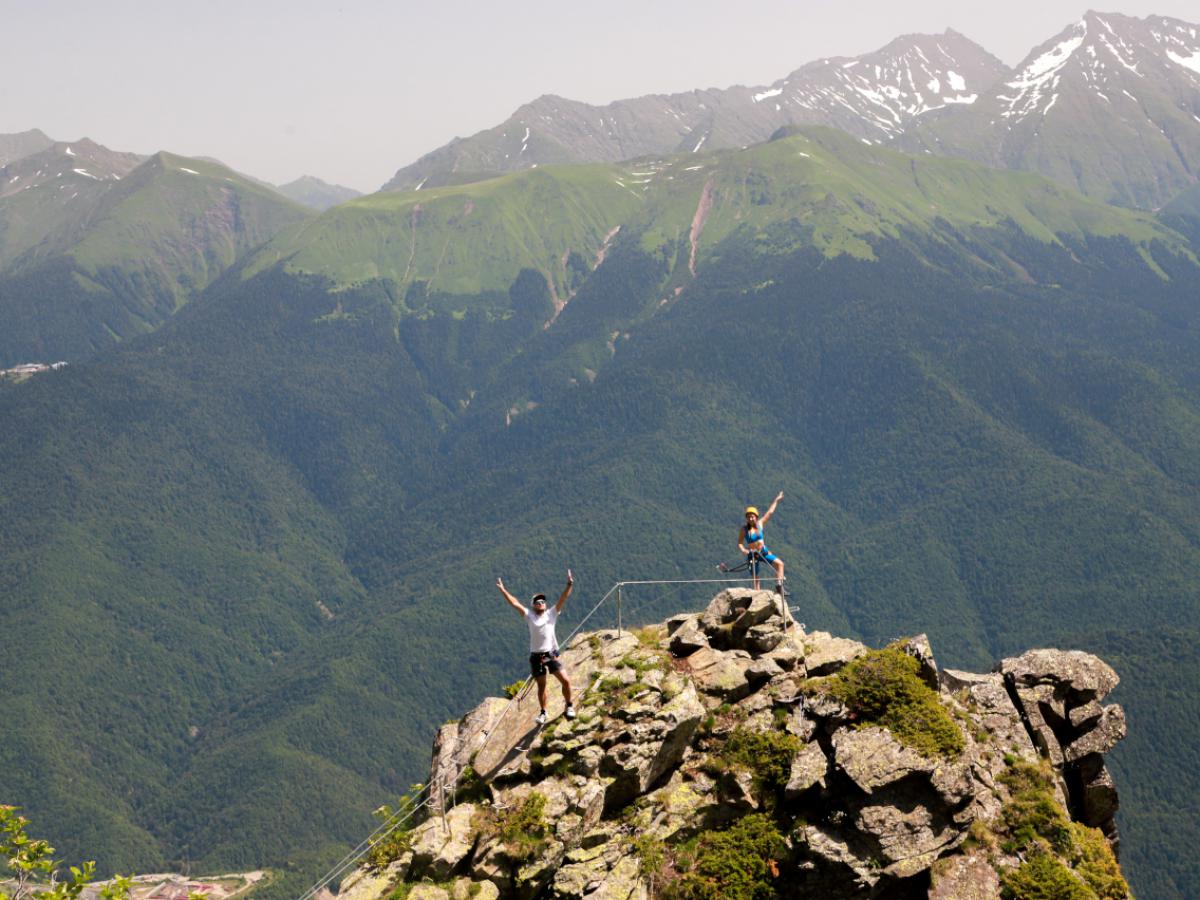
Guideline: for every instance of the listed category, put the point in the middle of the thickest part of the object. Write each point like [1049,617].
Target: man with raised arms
[543,643]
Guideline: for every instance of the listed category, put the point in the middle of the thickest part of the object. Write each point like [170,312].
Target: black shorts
[541,663]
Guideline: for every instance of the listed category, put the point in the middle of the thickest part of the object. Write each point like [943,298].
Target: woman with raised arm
[752,542]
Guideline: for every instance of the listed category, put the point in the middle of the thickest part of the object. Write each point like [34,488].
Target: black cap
[537,597]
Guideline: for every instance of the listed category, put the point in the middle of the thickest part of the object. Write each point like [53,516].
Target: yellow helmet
[752,509]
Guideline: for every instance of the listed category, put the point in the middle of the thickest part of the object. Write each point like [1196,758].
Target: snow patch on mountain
[1188,62]
[1040,76]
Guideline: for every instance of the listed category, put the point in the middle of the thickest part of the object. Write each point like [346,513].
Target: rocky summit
[731,753]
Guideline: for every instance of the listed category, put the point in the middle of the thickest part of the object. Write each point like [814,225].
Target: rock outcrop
[729,749]
[1058,693]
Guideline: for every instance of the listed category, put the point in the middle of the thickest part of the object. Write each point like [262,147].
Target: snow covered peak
[887,89]
[1106,54]
[1179,42]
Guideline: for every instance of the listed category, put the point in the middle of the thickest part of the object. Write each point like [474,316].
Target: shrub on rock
[884,687]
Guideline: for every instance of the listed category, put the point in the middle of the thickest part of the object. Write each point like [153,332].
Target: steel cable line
[352,858]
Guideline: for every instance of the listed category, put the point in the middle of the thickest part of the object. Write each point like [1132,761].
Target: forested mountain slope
[273,526]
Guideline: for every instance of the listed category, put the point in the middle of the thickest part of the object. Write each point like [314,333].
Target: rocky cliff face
[731,754]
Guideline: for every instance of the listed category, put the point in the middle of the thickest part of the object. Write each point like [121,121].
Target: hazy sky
[351,91]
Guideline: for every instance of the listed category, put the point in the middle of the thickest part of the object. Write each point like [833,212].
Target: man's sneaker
[570,711]
[541,718]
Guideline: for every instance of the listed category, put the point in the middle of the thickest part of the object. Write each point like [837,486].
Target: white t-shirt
[541,630]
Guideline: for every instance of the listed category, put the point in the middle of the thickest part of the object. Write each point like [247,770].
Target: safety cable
[352,858]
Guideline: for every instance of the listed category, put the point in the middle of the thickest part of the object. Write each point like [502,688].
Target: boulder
[911,834]
[872,758]
[428,892]
[1084,717]
[827,707]
[724,608]
[687,639]
[831,849]
[736,787]
[762,670]
[968,877]
[721,674]
[764,639]
[809,768]
[1108,731]
[799,724]
[1097,793]
[676,622]
[576,879]
[763,607]
[602,877]
[824,654]
[786,650]
[918,648]
[439,846]
[1084,676]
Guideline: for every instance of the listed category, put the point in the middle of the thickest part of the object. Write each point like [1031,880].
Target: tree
[35,872]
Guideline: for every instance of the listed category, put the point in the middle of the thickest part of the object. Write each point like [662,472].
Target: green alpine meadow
[109,246]
[248,553]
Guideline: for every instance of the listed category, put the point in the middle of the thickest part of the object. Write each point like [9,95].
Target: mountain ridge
[554,130]
[1109,106]
[310,191]
[1126,130]
[16,146]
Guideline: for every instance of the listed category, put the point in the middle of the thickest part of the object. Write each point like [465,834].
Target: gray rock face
[1104,734]
[1058,693]
[644,756]
[825,654]
[440,846]
[721,675]
[651,761]
[872,758]
[968,877]
[1083,676]
[456,742]
[918,648]
[809,769]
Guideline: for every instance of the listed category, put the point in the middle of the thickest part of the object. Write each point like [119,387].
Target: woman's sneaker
[570,713]
[541,718]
